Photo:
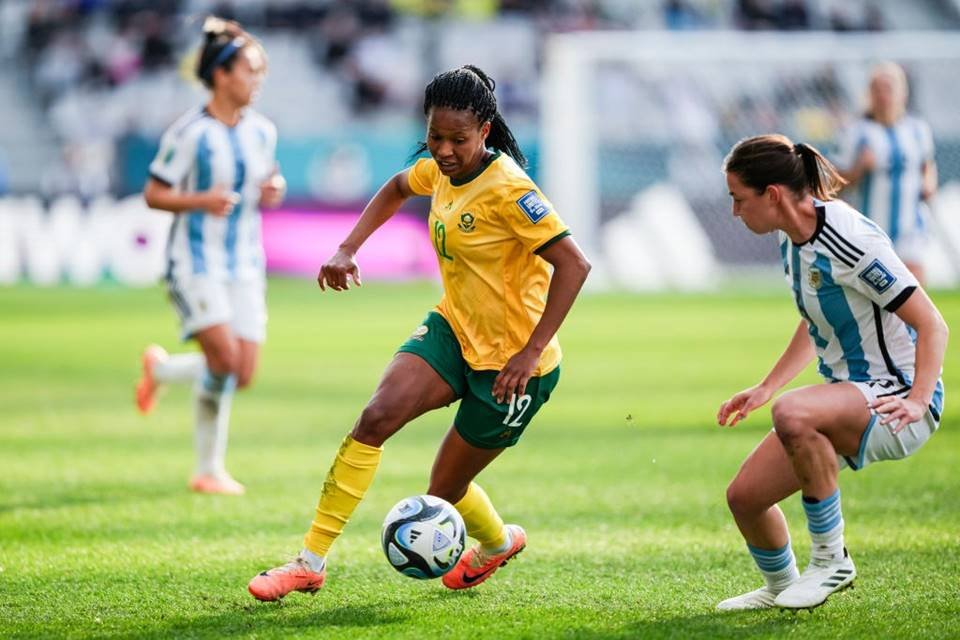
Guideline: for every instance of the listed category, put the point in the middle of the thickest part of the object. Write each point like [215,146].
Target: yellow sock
[482,520]
[346,483]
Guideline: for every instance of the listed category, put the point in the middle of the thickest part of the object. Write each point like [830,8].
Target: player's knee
[739,500]
[377,422]
[244,379]
[790,419]
[224,361]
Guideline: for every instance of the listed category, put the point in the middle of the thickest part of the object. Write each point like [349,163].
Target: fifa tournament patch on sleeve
[878,276]
[533,206]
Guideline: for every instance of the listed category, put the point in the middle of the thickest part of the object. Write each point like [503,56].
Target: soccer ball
[423,537]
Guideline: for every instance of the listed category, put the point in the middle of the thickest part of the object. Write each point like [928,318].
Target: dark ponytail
[773,159]
[222,41]
[469,88]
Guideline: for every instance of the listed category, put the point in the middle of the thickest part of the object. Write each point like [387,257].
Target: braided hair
[222,41]
[469,88]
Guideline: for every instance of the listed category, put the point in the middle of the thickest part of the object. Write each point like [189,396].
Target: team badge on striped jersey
[878,276]
[533,206]
[816,279]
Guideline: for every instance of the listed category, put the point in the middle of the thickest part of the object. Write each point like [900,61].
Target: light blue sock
[778,566]
[825,522]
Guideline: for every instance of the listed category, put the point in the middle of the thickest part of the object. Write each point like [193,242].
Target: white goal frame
[569,149]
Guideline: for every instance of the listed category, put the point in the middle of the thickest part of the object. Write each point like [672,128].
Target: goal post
[622,112]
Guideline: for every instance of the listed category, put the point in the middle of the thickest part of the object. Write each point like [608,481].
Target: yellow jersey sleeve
[531,217]
[423,176]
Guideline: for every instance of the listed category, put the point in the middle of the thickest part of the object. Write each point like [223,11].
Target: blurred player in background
[880,342]
[215,167]
[490,342]
[889,156]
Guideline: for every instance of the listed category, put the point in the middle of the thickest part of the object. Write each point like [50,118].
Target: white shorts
[203,302]
[878,441]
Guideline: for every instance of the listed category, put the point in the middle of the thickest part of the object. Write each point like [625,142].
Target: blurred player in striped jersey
[889,156]
[879,341]
[215,167]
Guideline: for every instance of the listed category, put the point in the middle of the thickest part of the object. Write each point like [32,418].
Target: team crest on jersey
[816,278]
[878,276]
[467,222]
[420,332]
[533,206]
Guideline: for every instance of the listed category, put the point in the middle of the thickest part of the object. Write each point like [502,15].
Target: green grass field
[619,482]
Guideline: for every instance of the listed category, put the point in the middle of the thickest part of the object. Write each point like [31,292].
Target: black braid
[469,88]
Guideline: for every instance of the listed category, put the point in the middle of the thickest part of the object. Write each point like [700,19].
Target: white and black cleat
[761,598]
[818,581]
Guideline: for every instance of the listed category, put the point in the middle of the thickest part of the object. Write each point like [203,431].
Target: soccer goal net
[636,125]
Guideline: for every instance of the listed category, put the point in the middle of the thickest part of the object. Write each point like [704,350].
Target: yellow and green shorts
[480,420]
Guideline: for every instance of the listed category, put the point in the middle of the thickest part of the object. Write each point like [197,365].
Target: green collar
[459,182]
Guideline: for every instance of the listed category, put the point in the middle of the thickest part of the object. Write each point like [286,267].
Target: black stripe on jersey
[838,252]
[836,236]
[887,360]
[895,393]
[821,220]
[168,252]
[162,181]
[837,242]
[897,302]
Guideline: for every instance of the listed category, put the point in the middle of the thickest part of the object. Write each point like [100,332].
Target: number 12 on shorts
[518,406]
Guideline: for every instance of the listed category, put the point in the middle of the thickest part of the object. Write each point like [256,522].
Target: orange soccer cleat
[475,565]
[220,484]
[147,386]
[296,575]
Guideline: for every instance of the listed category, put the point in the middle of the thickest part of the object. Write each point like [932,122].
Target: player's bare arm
[217,201]
[798,354]
[932,332]
[570,269]
[342,267]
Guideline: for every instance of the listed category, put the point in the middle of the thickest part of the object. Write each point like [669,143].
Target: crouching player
[880,343]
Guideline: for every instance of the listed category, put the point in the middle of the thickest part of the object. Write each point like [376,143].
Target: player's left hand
[899,411]
[514,376]
[273,190]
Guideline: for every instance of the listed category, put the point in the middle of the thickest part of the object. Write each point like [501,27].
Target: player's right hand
[337,272]
[219,201]
[740,405]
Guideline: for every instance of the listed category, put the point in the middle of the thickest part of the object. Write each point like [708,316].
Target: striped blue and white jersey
[890,194]
[847,283]
[196,153]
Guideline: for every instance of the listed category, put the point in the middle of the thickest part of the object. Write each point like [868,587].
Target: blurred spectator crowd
[103,69]
[106,43]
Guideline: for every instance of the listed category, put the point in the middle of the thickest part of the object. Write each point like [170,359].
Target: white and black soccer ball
[423,537]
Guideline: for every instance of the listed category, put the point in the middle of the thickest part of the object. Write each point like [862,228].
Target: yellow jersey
[487,230]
